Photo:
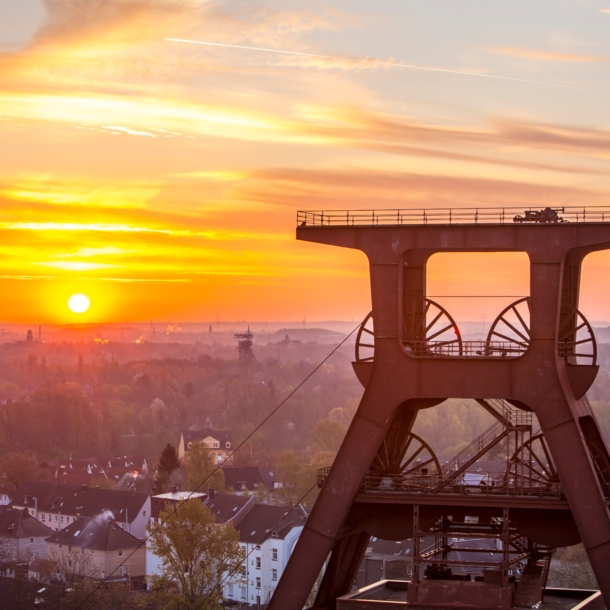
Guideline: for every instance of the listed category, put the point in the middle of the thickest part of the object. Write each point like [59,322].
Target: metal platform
[452,216]
[391,595]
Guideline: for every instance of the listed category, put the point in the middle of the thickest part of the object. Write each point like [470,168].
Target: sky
[162,178]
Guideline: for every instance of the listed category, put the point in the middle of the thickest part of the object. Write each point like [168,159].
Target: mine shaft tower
[539,357]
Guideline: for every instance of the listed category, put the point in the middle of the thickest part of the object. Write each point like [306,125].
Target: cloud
[392,134]
[114,21]
[359,188]
[605,10]
[538,54]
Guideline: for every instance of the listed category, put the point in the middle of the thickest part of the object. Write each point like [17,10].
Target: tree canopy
[196,554]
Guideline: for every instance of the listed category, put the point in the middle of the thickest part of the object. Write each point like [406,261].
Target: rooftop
[100,533]
[390,594]
[72,500]
[265,521]
[16,523]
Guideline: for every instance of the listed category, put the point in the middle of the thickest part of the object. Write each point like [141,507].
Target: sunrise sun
[79,303]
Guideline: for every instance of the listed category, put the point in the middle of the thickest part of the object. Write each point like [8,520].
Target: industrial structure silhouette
[539,357]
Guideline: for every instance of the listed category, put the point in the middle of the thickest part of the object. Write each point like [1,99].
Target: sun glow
[79,303]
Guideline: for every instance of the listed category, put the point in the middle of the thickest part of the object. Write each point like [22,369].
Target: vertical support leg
[333,505]
[571,455]
[414,584]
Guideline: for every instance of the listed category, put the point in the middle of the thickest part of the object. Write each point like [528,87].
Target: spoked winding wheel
[510,334]
[404,453]
[531,467]
[365,340]
[429,329]
[576,339]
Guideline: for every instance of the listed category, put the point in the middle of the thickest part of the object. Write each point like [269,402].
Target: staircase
[474,451]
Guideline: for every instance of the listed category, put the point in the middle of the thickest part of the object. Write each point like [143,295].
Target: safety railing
[466,454]
[491,484]
[488,484]
[466,349]
[452,216]
[510,416]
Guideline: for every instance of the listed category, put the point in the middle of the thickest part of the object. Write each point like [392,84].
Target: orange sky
[162,179]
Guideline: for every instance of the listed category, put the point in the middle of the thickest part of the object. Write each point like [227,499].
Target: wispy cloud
[539,54]
[605,10]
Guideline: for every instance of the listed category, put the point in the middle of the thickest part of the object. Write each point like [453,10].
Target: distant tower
[40,333]
[30,336]
[210,330]
[244,345]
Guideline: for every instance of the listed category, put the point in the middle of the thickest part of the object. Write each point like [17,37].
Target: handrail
[495,430]
[453,216]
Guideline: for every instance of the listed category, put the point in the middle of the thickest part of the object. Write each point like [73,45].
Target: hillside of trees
[87,399]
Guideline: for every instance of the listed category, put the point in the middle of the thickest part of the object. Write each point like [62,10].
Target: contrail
[377,63]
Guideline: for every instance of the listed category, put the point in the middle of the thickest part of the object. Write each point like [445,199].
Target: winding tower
[244,346]
[539,358]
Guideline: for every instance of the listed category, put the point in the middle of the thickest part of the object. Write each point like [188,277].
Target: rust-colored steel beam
[543,375]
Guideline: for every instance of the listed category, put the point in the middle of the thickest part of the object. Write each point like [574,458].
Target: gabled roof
[100,533]
[192,436]
[227,507]
[16,523]
[85,501]
[264,522]
[249,476]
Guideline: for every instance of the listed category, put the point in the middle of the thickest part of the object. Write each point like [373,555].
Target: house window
[42,517]
[243,593]
[230,590]
[143,513]
[258,563]
[31,540]
[55,517]
[228,445]
[121,553]
[62,519]
[258,547]
[59,546]
[215,445]
[258,582]
[92,551]
[243,571]
[120,570]
[273,574]
[273,554]
[190,445]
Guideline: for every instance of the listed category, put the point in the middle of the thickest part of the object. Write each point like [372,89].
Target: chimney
[83,487]
[211,493]
[174,489]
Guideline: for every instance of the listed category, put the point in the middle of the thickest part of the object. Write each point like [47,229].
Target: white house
[22,539]
[268,535]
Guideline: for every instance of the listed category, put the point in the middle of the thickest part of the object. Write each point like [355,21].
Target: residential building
[173,497]
[249,479]
[268,535]
[220,443]
[224,507]
[22,539]
[58,506]
[99,548]
[89,471]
